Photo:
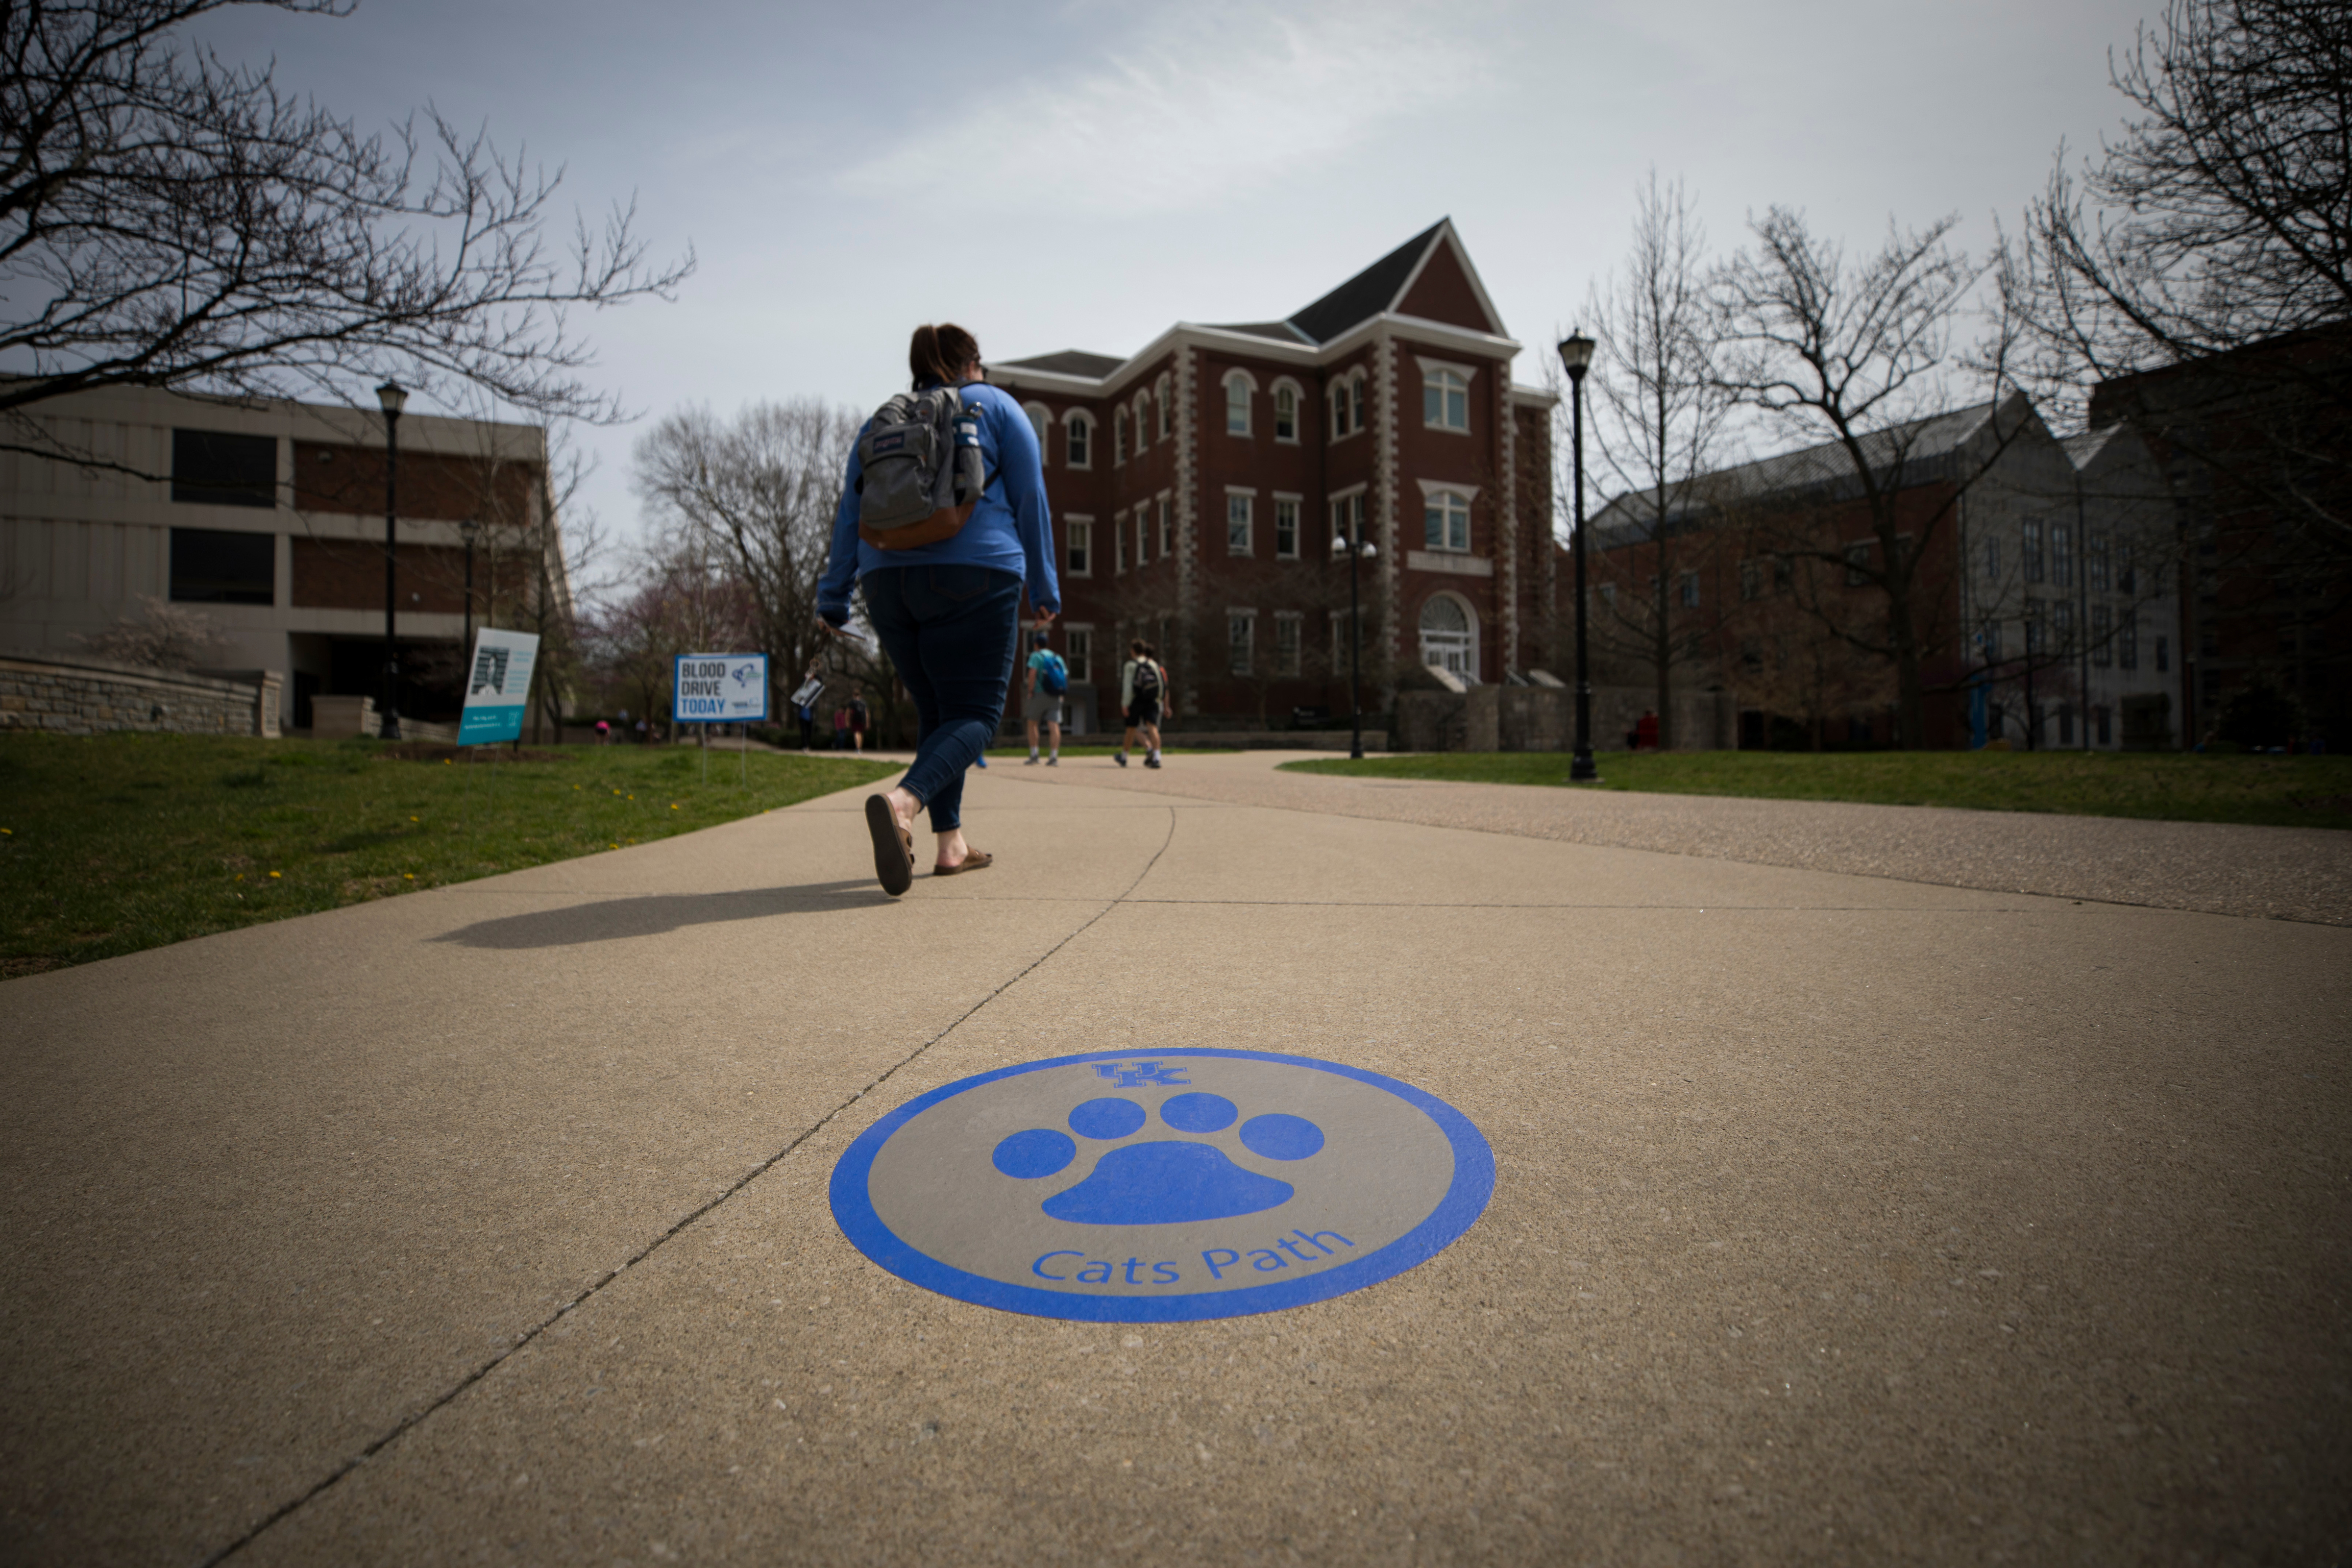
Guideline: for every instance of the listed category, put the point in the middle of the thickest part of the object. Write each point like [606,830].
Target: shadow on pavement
[654,913]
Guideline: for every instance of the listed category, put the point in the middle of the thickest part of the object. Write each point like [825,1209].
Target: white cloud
[1209,105]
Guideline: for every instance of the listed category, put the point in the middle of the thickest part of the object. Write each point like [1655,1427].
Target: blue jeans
[951,631]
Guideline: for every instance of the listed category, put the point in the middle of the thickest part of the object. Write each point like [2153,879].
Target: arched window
[1160,404]
[1338,409]
[1447,521]
[1285,411]
[1356,401]
[1449,640]
[1237,404]
[1118,437]
[1142,422]
[1445,400]
[1080,451]
[1038,419]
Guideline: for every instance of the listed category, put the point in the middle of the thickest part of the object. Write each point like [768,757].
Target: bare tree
[161,636]
[168,220]
[758,494]
[1660,408]
[2219,218]
[1857,357]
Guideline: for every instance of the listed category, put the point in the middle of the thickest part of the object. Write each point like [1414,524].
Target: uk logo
[1135,1075]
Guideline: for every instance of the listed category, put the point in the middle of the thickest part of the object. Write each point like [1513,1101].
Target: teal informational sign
[498,687]
[720,689]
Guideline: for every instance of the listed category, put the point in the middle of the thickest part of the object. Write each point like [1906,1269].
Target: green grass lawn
[2296,792]
[113,843]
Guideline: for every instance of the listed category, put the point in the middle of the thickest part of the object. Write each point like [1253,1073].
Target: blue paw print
[1166,1181]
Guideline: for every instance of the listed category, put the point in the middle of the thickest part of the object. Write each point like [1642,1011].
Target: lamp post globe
[1576,358]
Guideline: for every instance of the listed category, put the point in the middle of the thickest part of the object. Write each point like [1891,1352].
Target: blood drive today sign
[1162,1187]
[720,689]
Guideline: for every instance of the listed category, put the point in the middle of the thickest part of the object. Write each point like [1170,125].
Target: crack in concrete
[408,1424]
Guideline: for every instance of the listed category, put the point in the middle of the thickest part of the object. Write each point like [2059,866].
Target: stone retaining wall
[65,694]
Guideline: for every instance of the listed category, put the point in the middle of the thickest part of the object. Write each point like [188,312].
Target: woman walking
[945,611]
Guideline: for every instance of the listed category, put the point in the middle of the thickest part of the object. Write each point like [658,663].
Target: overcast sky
[1080,174]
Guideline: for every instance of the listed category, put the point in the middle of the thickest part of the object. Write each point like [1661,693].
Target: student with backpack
[942,522]
[1142,694]
[1047,682]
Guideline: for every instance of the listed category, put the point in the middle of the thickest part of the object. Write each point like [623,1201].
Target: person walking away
[1129,670]
[942,523]
[1041,702]
[840,727]
[807,714]
[1144,692]
[858,716]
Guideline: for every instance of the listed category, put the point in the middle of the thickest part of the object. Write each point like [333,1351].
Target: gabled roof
[1069,361]
[1280,331]
[1368,292]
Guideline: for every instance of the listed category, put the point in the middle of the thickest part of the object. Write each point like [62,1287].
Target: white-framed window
[1143,534]
[1240,508]
[1039,417]
[1286,527]
[1079,429]
[1142,422]
[1339,400]
[1348,514]
[1239,390]
[1118,548]
[1356,402]
[1689,590]
[1447,521]
[1289,626]
[1286,410]
[2030,534]
[1079,550]
[1167,526]
[1117,437]
[2062,555]
[1078,641]
[1444,398]
[1241,639]
[1161,406]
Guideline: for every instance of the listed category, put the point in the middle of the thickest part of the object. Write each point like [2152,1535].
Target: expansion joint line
[524,1340]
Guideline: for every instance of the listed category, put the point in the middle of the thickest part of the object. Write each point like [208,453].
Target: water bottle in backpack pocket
[922,469]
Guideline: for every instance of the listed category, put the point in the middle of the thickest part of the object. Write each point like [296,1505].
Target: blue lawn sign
[498,687]
[720,689]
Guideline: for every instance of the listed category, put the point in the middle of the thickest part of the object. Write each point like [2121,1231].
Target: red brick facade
[1199,507]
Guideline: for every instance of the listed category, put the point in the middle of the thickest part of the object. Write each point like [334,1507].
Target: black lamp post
[1576,357]
[471,527]
[1355,549]
[393,398]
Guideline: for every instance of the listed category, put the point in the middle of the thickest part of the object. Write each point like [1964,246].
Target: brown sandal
[973,860]
[894,847]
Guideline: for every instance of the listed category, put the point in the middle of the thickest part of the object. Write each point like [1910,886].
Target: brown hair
[940,352]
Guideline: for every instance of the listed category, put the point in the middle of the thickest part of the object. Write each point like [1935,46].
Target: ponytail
[940,352]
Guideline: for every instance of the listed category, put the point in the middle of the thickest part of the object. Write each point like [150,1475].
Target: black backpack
[920,470]
[1146,680]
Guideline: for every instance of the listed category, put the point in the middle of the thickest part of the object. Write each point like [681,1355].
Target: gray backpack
[920,470]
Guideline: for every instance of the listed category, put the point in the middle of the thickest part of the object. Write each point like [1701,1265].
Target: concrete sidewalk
[1837,1217]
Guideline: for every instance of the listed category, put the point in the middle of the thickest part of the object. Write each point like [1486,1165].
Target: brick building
[1197,485]
[2041,589]
[268,516]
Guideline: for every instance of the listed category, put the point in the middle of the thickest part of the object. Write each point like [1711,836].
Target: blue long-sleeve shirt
[1009,529]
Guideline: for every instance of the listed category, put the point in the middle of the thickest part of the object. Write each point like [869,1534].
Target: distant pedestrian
[943,591]
[1143,699]
[841,728]
[604,733]
[1042,684]
[806,712]
[858,715]
[642,732]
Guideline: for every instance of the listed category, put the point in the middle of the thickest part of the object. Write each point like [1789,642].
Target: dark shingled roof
[1069,362]
[1367,294]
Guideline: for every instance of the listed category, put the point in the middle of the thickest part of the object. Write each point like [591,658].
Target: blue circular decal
[1167,1187]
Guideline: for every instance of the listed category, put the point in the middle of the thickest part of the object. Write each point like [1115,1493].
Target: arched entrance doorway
[1449,638]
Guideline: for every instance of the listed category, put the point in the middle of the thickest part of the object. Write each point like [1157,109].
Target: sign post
[498,687]
[720,689]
